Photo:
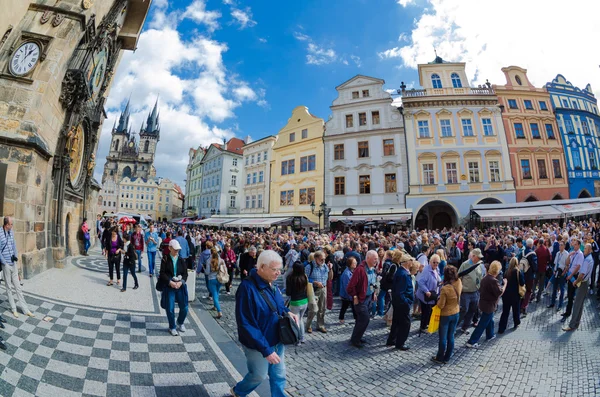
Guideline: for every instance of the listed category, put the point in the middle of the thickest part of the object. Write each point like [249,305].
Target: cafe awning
[256,222]
[378,218]
[578,209]
[213,221]
[519,214]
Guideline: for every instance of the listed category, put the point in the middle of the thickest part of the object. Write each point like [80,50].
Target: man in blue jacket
[402,300]
[258,327]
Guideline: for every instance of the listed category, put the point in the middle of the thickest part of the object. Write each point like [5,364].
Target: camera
[14,258]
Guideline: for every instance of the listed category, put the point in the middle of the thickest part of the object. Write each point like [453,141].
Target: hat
[436,236]
[477,252]
[175,245]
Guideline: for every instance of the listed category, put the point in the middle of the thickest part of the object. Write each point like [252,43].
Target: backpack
[524,262]
[222,274]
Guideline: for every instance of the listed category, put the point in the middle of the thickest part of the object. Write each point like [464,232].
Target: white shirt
[561,259]
[586,268]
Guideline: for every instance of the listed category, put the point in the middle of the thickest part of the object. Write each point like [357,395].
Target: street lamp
[323,210]
[212,211]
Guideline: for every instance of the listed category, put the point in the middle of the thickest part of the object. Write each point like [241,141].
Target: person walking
[152,241]
[511,299]
[582,283]
[9,257]
[296,289]
[113,253]
[358,288]
[560,271]
[258,327]
[402,300]
[574,261]
[428,290]
[85,231]
[531,257]
[543,258]
[230,260]
[449,309]
[318,273]
[490,293]
[347,300]
[137,240]
[184,253]
[215,265]
[129,258]
[470,273]
[173,276]
[248,261]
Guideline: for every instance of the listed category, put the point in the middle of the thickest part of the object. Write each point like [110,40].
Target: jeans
[151,260]
[300,310]
[559,282]
[176,295]
[381,302]
[446,332]
[400,324]
[214,286]
[362,320]
[86,245]
[125,271]
[486,323]
[258,369]
[508,304]
[468,307]
[345,305]
[139,255]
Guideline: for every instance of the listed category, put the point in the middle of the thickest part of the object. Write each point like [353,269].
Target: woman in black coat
[129,260]
[113,248]
[511,298]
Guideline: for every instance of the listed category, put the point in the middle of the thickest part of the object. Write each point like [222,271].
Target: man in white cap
[471,274]
[172,277]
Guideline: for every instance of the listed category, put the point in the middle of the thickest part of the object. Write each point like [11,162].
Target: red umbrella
[126,219]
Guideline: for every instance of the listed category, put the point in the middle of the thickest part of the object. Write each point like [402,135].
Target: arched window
[127,172]
[117,144]
[518,79]
[146,146]
[456,80]
[436,81]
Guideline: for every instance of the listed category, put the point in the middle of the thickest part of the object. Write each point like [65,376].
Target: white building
[193,184]
[256,176]
[366,176]
[221,179]
[107,200]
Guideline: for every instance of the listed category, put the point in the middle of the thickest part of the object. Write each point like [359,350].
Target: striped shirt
[8,247]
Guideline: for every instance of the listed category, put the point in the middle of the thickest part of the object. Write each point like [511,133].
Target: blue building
[576,112]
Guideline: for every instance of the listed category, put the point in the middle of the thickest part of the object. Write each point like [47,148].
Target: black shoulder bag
[289,332]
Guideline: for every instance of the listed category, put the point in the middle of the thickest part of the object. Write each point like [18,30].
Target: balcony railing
[447,91]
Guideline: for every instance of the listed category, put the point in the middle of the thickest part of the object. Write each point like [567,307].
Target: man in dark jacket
[247,262]
[258,326]
[173,275]
[357,289]
[402,300]
[543,259]
[531,257]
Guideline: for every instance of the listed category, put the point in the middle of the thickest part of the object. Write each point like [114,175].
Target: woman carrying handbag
[511,299]
[297,290]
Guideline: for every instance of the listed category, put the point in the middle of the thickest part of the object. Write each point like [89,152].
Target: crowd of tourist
[456,273]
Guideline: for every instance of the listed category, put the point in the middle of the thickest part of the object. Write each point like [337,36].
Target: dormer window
[355,95]
[365,93]
[518,80]
[456,83]
[436,81]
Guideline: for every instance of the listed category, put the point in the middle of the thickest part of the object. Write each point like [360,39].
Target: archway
[67,225]
[436,215]
[127,172]
[584,194]
[530,199]
[557,197]
[489,200]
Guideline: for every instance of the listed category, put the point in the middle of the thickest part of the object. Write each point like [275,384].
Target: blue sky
[227,68]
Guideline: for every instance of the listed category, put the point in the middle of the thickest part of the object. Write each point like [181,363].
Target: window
[247,160]
[355,95]
[252,161]
[362,119]
[338,152]
[446,128]
[304,133]
[307,163]
[286,198]
[365,93]
[473,171]
[388,147]
[456,83]
[543,105]
[247,201]
[451,173]
[428,177]
[235,162]
[233,180]
[253,205]
[575,105]
[556,167]
[265,155]
[364,184]
[585,126]
[526,168]
[550,131]
[248,176]
[487,127]
[467,126]
[423,128]
[528,104]
[349,121]
[167,199]
[363,149]
[292,137]
[390,183]
[258,157]
[592,157]
[535,131]
[287,167]
[436,81]
[518,79]
[260,201]
[512,103]
[541,163]
[261,176]
[307,196]
[254,177]
[519,131]
[569,126]
[565,103]
[375,117]
[340,185]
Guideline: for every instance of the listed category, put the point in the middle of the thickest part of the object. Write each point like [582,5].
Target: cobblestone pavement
[87,351]
[538,359]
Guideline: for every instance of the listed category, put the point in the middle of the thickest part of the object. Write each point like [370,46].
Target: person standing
[318,273]
[427,290]
[543,258]
[9,258]
[129,252]
[582,283]
[470,273]
[113,253]
[151,247]
[85,231]
[558,282]
[248,262]
[230,259]
[511,299]
[215,265]
[574,261]
[137,240]
[449,309]
[258,327]
[184,253]
[402,300]
[296,289]
[347,300]
[173,276]
[531,257]
[358,288]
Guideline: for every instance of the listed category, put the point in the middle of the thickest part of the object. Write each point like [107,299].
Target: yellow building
[297,166]
[157,198]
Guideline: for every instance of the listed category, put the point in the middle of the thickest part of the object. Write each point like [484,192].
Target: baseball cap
[477,252]
[174,244]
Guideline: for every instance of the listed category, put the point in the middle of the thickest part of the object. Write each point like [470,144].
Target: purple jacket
[429,281]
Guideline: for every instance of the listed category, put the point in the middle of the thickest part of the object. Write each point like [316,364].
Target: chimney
[247,140]
[224,144]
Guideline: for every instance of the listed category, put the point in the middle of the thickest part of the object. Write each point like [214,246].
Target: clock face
[96,72]
[130,144]
[24,59]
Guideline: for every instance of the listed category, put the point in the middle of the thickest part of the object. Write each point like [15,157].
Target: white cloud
[391,53]
[197,12]
[404,3]
[228,2]
[319,55]
[262,40]
[243,17]
[301,36]
[462,30]
[356,60]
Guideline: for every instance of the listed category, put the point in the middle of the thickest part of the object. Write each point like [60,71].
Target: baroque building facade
[256,176]
[576,112]
[534,142]
[456,146]
[193,182]
[366,175]
[57,62]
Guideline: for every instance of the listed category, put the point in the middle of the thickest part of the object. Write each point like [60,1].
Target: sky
[237,68]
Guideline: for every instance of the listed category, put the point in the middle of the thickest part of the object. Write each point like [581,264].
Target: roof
[236,145]
[358,76]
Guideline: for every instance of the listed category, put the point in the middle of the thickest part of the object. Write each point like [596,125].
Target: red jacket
[137,239]
[543,256]
[229,258]
[359,282]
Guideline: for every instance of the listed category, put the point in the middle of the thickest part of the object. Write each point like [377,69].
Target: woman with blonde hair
[443,261]
[449,307]
[211,271]
[511,299]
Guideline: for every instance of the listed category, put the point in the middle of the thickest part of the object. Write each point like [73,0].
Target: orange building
[534,141]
